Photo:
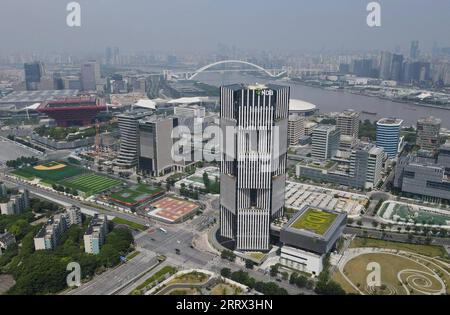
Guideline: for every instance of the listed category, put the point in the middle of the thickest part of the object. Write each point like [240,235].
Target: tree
[249,264]
[274,270]
[229,255]
[225,272]
[328,287]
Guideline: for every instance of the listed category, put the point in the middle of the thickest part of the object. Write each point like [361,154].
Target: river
[334,101]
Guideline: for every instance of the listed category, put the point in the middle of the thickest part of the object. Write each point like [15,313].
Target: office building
[425,177]
[155,145]
[33,74]
[397,68]
[194,111]
[416,72]
[363,168]
[309,127]
[90,76]
[309,236]
[348,123]
[362,67]
[95,235]
[253,170]
[325,142]
[414,50]
[366,165]
[386,65]
[428,133]
[71,82]
[296,129]
[388,135]
[129,138]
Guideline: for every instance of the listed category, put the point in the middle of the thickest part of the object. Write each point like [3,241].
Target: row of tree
[266,288]
[23,160]
[66,190]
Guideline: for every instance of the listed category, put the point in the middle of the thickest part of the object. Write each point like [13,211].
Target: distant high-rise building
[386,65]
[414,51]
[90,75]
[397,68]
[416,71]
[344,68]
[253,164]
[362,67]
[348,123]
[72,82]
[33,73]
[388,135]
[129,138]
[108,55]
[325,141]
[155,145]
[428,133]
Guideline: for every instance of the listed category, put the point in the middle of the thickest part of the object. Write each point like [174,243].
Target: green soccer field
[92,184]
[49,176]
[136,194]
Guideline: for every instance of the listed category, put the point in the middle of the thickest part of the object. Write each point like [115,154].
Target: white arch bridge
[270,72]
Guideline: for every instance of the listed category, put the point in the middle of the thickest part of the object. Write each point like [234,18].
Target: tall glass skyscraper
[33,74]
[388,135]
[254,122]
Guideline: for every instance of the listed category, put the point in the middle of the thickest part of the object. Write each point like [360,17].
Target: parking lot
[299,194]
[11,151]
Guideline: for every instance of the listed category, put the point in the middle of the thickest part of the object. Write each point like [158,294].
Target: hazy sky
[190,25]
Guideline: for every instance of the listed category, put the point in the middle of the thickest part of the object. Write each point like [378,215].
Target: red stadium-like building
[73,111]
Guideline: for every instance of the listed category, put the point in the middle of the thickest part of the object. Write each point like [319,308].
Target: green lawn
[315,220]
[427,250]
[158,276]
[136,194]
[49,176]
[129,223]
[91,183]
[133,254]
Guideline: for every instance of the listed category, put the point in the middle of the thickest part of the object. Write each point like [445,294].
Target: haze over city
[179,25]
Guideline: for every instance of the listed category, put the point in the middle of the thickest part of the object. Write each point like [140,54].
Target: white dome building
[300,107]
